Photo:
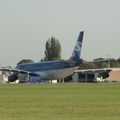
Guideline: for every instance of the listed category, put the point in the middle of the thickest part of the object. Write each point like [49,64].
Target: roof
[97,70]
[92,70]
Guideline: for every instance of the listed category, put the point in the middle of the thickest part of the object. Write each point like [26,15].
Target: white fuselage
[56,74]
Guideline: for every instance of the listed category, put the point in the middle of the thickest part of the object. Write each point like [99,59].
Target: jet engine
[12,78]
[103,74]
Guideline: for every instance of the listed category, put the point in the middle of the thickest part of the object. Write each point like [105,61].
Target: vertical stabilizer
[77,50]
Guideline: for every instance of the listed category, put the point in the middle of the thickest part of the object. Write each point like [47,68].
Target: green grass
[60,101]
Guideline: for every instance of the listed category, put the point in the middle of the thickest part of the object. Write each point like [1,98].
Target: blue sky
[26,25]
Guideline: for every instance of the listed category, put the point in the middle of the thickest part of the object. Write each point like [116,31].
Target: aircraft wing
[94,70]
[18,71]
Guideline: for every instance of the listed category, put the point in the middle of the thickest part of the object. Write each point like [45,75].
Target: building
[3,78]
[114,75]
[93,75]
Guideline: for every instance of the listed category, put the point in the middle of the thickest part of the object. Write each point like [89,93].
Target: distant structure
[114,75]
[92,75]
[3,77]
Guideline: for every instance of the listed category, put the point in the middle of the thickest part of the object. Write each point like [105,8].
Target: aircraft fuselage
[51,69]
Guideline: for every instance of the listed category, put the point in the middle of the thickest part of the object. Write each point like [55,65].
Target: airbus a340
[50,70]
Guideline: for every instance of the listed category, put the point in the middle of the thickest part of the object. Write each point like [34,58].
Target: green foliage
[118,60]
[114,63]
[88,65]
[53,49]
[101,63]
[25,61]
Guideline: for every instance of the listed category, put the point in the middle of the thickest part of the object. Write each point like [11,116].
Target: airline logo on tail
[77,51]
[78,46]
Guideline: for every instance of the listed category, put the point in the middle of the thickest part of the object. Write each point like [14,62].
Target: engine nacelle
[103,74]
[12,78]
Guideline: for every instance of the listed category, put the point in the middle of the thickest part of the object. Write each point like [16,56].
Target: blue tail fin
[77,51]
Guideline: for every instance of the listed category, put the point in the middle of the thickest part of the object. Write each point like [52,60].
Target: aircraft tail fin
[77,50]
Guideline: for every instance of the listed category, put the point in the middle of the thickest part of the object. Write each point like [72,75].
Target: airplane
[49,70]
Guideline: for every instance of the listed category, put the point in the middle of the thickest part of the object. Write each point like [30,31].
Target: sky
[26,25]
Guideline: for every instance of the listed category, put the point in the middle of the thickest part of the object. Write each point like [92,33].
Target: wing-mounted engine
[30,79]
[104,74]
[12,78]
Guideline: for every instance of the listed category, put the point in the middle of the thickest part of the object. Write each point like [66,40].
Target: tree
[53,49]
[87,65]
[25,61]
[101,63]
[114,63]
[119,60]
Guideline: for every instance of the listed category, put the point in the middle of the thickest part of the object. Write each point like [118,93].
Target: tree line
[101,63]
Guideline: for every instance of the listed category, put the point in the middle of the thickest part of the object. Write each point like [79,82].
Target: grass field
[60,101]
